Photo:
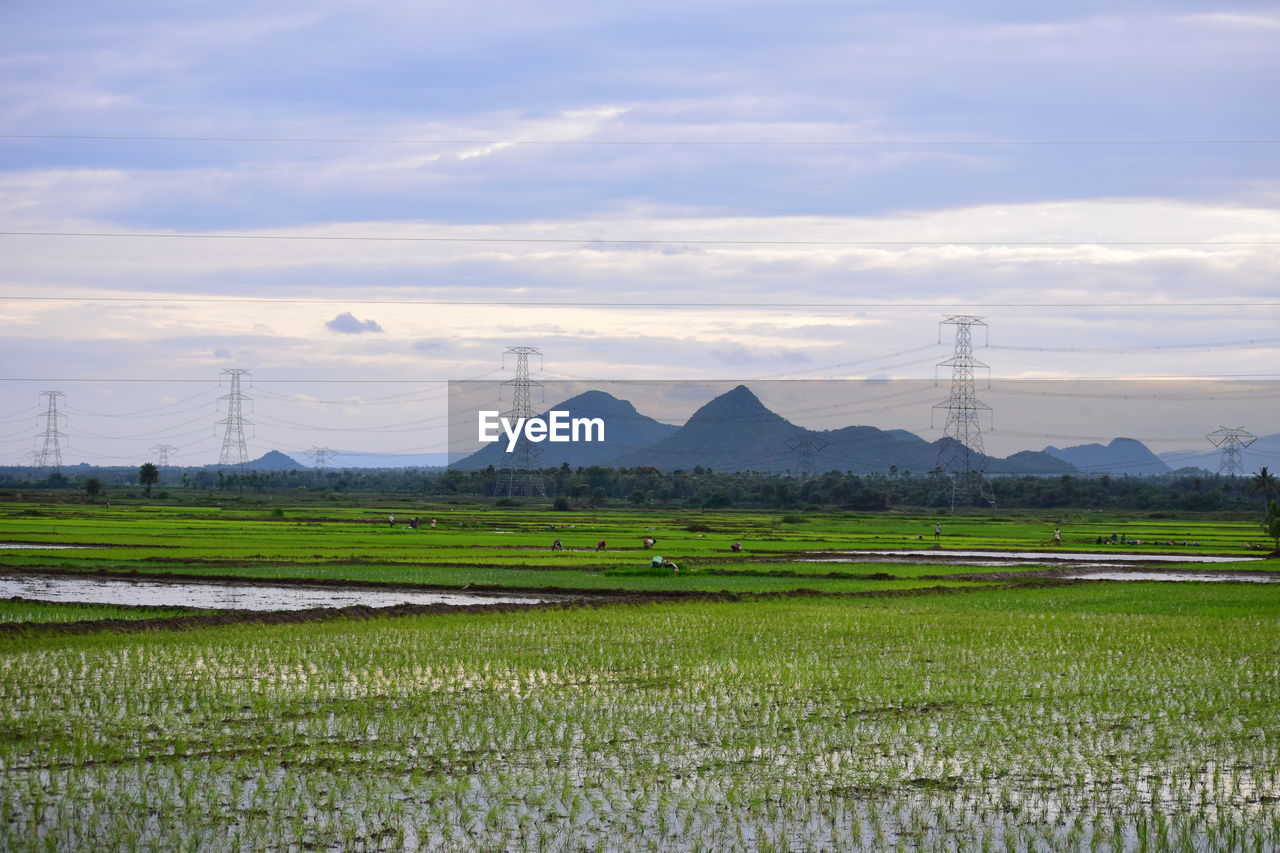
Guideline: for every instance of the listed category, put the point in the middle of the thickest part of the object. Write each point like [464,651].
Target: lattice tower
[1231,440]
[522,478]
[162,452]
[235,450]
[321,456]
[804,447]
[961,459]
[50,453]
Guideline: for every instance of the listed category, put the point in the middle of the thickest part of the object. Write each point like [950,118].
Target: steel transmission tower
[1231,440]
[50,453]
[162,452]
[961,459]
[235,451]
[523,478]
[805,447]
[321,456]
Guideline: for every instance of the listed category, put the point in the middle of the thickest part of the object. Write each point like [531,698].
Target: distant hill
[367,459]
[736,432]
[1121,456]
[626,432]
[733,432]
[1034,462]
[274,460]
[1263,452]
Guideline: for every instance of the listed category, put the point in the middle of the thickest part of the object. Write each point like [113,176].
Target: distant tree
[92,488]
[149,475]
[1264,483]
[1271,524]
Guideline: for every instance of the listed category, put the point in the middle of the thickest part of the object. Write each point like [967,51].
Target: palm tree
[1264,483]
[148,475]
[1271,524]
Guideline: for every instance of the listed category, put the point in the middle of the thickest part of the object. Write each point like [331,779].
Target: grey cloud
[347,323]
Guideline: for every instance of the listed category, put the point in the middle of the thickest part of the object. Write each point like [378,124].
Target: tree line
[568,487]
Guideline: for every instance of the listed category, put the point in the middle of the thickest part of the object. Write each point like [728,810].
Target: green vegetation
[1072,717]
[17,611]
[907,708]
[490,546]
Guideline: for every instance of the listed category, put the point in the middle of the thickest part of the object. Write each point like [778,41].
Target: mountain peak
[738,403]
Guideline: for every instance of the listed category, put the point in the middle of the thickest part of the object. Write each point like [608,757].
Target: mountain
[1265,451]
[626,431]
[1035,462]
[736,432]
[865,449]
[1121,456]
[733,432]
[274,460]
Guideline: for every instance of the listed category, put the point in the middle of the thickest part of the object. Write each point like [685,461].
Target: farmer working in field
[659,563]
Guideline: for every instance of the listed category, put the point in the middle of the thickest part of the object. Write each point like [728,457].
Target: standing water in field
[228,596]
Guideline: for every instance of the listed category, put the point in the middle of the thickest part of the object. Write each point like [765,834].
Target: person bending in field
[649,542]
[735,547]
[600,545]
[557,545]
[660,563]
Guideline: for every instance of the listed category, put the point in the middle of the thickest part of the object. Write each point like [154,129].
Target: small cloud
[349,325]
[222,353]
[742,355]
[427,345]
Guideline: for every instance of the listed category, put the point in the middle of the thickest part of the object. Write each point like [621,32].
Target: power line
[1206,345]
[351,238]
[602,303]
[861,143]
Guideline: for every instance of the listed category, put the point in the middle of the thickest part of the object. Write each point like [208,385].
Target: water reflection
[228,596]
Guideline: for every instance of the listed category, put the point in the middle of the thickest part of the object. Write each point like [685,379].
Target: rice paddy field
[816,706]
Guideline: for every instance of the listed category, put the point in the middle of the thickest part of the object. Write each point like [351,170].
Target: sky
[392,194]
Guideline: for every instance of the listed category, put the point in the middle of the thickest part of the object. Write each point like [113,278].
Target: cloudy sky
[391,194]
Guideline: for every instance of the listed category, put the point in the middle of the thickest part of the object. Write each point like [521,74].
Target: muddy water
[1019,557]
[228,596]
[1236,577]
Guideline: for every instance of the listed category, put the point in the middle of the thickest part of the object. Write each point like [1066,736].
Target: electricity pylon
[162,452]
[50,453]
[805,447]
[321,456]
[522,478]
[235,451]
[961,459]
[1231,440]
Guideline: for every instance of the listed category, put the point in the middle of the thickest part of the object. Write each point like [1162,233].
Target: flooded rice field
[1010,558]
[228,596]
[811,724]
[1216,577]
